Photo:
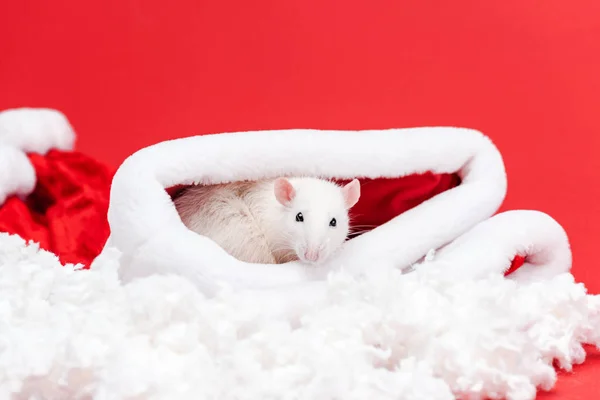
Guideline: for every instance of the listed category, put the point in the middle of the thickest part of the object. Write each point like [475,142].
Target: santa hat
[457,222]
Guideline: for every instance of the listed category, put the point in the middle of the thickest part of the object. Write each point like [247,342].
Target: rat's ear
[284,191]
[351,193]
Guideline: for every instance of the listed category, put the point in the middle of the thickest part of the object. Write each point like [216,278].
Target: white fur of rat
[272,221]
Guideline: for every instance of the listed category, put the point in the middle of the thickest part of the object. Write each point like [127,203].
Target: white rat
[272,221]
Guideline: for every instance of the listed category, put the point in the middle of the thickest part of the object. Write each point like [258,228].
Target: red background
[129,73]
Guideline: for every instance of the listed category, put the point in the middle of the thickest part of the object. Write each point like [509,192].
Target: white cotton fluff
[69,333]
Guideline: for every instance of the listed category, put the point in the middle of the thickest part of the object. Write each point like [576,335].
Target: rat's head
[315,215]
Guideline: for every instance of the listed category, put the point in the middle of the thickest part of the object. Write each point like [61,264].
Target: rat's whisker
[357,233]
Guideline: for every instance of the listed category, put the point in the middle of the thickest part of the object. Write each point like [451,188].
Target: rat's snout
[312,254]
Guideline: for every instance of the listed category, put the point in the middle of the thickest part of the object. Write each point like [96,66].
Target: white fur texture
[28,130]
[68,334]
[256,221]
[17,176]
[36,130]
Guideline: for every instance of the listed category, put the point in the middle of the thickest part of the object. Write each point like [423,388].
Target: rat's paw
[36,130]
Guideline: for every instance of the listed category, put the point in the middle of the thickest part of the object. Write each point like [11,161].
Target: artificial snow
[67,332]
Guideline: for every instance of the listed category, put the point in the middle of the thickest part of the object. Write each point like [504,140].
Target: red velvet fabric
[66,213]
[383,199]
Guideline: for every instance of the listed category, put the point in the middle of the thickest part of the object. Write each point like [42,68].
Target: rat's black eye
[299,217]
[333,223]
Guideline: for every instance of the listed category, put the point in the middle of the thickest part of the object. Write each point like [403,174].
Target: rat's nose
[311,254]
